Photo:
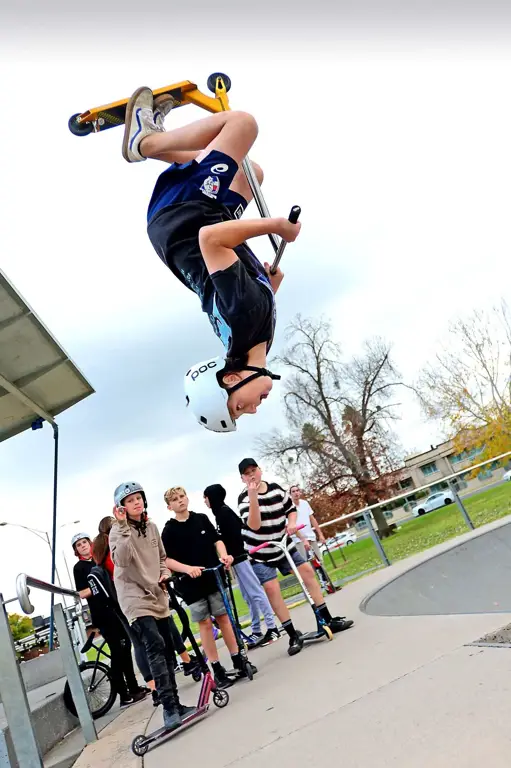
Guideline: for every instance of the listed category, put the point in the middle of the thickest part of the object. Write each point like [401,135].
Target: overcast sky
[388,123]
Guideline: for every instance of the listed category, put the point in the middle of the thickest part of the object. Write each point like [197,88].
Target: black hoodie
[229,524]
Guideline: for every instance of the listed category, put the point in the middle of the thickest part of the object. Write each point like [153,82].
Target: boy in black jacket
[229,527]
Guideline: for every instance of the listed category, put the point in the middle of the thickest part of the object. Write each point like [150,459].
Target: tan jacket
[139,563]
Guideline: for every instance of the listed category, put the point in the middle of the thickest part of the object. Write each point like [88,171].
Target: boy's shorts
[212,605]
[207,181]
[266,572]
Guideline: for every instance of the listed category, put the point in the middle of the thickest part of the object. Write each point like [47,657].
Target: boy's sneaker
[171,718]
[139,123]
[222,680]
[295,644]
[126,703]
[255,639]
[271,636]
[340,623]
[162,106]
[139,695]
[190,666]
[186,711]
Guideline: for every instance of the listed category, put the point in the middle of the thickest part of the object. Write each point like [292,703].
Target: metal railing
[366,512]
[12,688]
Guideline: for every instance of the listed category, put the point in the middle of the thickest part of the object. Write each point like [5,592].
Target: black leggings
[121,663]
[155,634]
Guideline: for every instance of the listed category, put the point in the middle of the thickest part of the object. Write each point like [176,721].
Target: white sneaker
[139,123]
[162,106]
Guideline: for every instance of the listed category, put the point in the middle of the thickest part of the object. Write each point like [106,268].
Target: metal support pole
[259,199]
[15,700]
[376,539]
[54,529]
[74,678]
[460,504]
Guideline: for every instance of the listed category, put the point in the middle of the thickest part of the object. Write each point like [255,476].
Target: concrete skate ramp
[471,577]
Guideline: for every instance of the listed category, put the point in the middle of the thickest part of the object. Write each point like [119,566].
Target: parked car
[507,475]
[433,501]
[343,539]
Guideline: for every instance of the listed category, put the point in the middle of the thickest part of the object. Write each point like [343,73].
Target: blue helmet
[126,489]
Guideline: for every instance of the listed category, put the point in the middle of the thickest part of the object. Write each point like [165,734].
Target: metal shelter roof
[37,377]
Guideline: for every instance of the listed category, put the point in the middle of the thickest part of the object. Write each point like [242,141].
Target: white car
[507,475]
[343,539]
[434,501]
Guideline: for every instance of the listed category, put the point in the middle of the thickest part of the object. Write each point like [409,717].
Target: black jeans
[157,639]
[121,663]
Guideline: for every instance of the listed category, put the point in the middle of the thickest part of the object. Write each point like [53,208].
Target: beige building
[434,466]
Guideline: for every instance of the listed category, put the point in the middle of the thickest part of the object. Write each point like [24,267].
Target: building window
[407,482]
[429,469]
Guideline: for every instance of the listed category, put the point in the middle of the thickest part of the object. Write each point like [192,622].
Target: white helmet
[206,398]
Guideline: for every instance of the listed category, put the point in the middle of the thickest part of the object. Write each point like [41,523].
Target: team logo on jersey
[238,213]
[220,168]
[211,187]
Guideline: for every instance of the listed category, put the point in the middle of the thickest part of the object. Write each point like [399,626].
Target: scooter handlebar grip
[295,214]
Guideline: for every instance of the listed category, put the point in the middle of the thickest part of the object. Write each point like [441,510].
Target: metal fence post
[460,504]
[15,700]
[376,539]
[73,677]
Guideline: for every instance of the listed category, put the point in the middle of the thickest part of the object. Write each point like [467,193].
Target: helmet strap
[257,373]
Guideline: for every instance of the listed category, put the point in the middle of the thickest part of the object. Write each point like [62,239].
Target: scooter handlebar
[253,550]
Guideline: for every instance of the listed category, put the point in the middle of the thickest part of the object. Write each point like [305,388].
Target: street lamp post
[44,535]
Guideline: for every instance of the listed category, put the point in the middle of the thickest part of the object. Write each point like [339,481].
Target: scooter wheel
[220,698]
[212,81]
[138,746]
[328,632]
[249,671]
[196,675]
[79,129]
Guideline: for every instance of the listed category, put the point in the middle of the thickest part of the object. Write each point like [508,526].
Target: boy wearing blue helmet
[139,558]
[194,226]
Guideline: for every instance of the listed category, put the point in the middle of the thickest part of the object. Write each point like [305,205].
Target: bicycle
[97,682]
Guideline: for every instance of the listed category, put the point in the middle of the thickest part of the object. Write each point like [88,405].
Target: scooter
[323,629]
[247,668]
[324,579]
[141,743]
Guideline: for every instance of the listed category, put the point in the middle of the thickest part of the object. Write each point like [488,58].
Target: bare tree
[338,414]
[468,386]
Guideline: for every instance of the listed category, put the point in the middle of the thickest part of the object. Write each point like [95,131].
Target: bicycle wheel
[98,687]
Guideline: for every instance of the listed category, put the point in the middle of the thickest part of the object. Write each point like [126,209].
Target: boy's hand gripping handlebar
[293,218]
[253,550]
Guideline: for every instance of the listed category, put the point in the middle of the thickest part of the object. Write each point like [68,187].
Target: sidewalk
[405,692]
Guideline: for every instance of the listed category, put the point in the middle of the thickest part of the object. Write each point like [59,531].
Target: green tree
[21,626]
[467,387]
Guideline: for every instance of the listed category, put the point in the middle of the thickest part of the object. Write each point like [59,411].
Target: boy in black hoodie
[229,526]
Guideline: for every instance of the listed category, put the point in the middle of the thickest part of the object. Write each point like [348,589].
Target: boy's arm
[226,559]
[218,240]
[121,545]
[191,570]
[164,571]
[317,530]
[292,513]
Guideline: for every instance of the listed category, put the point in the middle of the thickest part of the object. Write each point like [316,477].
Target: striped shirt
[275,506]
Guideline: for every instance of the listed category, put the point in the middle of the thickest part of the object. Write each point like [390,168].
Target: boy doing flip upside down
[194,226]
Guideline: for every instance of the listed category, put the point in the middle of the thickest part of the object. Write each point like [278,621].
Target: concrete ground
[392,691]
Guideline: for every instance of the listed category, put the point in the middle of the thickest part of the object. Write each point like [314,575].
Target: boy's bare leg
[227,633]
[280,608]
[307,573]
[230,132]
[208,640]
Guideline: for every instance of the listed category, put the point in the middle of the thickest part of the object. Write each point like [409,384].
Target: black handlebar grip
[295,214]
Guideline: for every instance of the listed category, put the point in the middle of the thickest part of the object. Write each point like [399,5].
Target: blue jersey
[239,300]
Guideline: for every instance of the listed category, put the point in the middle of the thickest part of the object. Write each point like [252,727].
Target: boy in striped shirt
[268,512]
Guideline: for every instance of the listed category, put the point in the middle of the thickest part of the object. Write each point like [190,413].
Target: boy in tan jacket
[139,559]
